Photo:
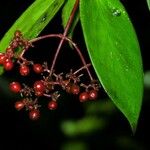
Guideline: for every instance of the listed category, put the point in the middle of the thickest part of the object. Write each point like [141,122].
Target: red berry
[34,114]
[8,64]
[93,94]
[19,105]
[37,68]
[39,88]
[24,70]
[2,58]
[75,89]
[83,97]
[15,87]
[52,105]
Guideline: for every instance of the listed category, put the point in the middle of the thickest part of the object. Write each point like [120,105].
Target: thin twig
[69,23]
[84,67]
[71,42]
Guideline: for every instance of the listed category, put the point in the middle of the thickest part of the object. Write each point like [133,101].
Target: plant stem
[64,34]
[73,44]
[84,67]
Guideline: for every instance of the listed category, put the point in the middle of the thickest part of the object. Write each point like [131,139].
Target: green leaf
[66,11]
[148,3]
[32,21]
[114,51]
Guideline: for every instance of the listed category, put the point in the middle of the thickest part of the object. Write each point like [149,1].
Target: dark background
[19,133]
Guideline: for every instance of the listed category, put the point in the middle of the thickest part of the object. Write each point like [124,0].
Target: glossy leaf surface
[115,54]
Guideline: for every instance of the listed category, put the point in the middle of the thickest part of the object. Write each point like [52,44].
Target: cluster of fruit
[49,82]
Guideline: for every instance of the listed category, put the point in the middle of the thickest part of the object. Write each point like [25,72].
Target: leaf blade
[148,4]
[114,55]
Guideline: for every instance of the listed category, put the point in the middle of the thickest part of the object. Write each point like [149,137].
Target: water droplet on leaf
[43,19]
[127,69]
[116,43]
[116,12]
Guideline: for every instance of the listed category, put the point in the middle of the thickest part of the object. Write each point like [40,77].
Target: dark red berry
[75,89]
[52,105]
[24,70]
[83,97]
[2,58]
[19,105]
[93,94]
[39,88]
[34,114]
[15,87]
[37,68]
[8,64]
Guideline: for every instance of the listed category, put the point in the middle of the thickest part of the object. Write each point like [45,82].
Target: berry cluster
[7,58]
[49,83]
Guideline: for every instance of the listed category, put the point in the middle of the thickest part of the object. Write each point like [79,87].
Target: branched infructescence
[50,82]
